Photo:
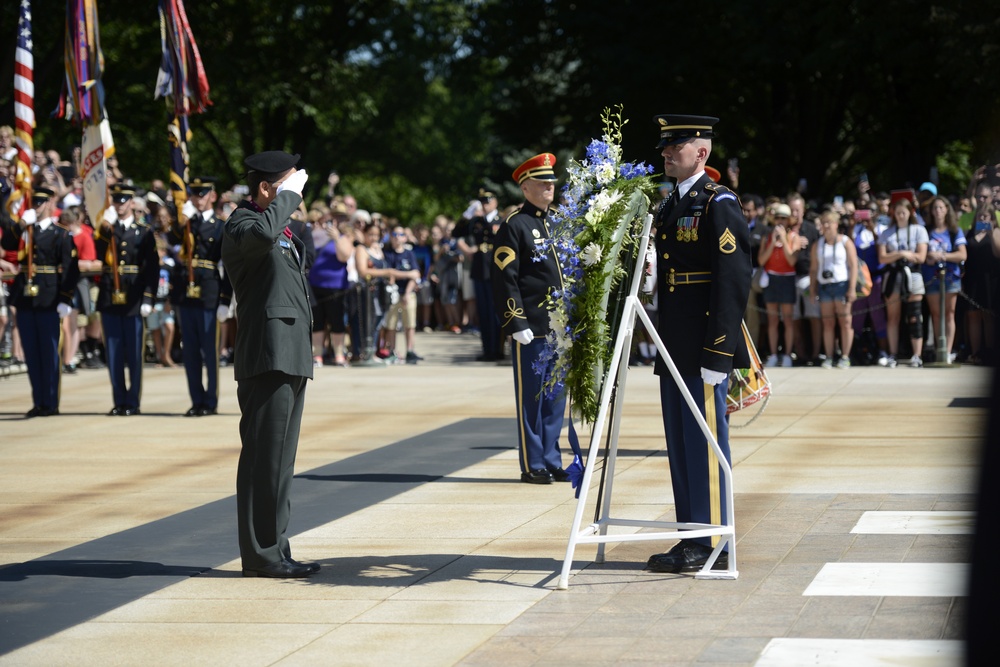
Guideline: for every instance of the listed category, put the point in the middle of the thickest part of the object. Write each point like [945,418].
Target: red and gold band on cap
[676,129]
[538,168]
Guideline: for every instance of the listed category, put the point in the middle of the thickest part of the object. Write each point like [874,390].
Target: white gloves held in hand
[712,377]
[110,215]
[524,336]
[30,217]
[222,313]
[145,309]
[63,309]
[295,182]
[188,210]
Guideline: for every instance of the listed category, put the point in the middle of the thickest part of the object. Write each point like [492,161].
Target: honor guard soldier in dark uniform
[202,295]
[481,230]
[42,294]
[127,291]
[272,358]
[703,278]
[520,285]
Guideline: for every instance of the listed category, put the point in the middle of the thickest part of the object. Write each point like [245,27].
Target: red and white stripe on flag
[24,109]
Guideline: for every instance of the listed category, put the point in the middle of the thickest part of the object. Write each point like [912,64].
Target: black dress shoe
[542,476]
[312,567]
[116,411]
[48,412]
[204,412]
[559,475]
[687,556]
[128,412]
[194,411]
[284,569]
[33,412]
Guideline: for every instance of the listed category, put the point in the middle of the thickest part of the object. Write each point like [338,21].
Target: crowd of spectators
[852,281]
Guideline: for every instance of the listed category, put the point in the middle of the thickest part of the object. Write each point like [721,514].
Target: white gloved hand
[188,210]
[524,336]
[295,182]
[145,309]
[110,215]
[712,377]
[30,217]
[63,309]
[222,313]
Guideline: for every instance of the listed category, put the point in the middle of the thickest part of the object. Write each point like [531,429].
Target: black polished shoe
[542,476]
[128,412]
[194,411]
[204,412]
[687,556]
[33,412]
[116,411]
[284,569]
[48,412]
[312,567]
[559,475]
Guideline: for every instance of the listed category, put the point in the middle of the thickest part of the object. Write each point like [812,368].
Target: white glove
[63,309]
[712,377]
[30,217]
[295,182]
[222,313]
[524,336]
[145,309]
[110,215]
[188,210]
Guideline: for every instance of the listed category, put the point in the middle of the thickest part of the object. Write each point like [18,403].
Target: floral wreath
[593,234]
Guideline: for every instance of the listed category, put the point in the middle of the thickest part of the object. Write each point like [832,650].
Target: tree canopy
[418,103]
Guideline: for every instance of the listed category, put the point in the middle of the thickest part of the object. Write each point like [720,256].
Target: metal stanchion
[941,359]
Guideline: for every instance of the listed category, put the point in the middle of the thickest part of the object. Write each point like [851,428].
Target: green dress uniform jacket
[520,284]
[268,273]
[703,274]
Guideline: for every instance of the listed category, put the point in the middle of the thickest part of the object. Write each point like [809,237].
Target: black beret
[271,162]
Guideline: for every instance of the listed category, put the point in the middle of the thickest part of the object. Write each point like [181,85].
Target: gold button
[671,288]
[666,255]
[122,262]
[663,238]
[124,243]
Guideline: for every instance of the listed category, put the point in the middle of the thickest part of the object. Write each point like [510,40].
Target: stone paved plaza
[118,537]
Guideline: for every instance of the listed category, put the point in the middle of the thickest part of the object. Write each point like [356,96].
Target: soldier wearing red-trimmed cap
[703,273]
[42,293]
[520,286]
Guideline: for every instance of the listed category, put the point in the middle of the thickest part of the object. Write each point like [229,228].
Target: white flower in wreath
[605,173]
[557,324]
[590,255]
[599,205]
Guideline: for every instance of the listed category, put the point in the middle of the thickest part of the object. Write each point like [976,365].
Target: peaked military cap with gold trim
[202,186]
[538,168]
[676,129]
[122,192]
[41,195]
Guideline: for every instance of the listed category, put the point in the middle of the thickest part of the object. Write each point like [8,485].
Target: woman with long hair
[833,275]
[946,250]
[903,248]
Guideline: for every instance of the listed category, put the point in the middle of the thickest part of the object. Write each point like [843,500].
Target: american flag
[24,109]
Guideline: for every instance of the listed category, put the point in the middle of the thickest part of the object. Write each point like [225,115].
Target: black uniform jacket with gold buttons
[520,284]
[703,279]
[206,237]
[55,267]
[133,255]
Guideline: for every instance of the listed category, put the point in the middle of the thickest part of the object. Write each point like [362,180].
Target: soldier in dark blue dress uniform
[481,230]
[127,292]
[703,277]
[42,294]
[203,295]
[520,285]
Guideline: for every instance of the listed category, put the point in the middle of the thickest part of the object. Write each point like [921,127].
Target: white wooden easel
[614,390]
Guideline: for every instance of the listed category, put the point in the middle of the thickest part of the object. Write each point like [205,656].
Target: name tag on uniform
[284,244]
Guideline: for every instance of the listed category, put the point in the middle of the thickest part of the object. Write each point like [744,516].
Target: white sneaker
[951,357]
[786,361]
[883,360]
[843,362]
[827,363]
[890,361]
[916,362]
[772,361]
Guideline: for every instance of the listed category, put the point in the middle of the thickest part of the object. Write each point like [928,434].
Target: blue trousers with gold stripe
[540,420]
[699,487]
[200,347]
[124,341]
[40,332]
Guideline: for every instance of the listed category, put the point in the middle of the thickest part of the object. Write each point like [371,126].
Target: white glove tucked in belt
[145,309]
[222,313]
[63,309]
